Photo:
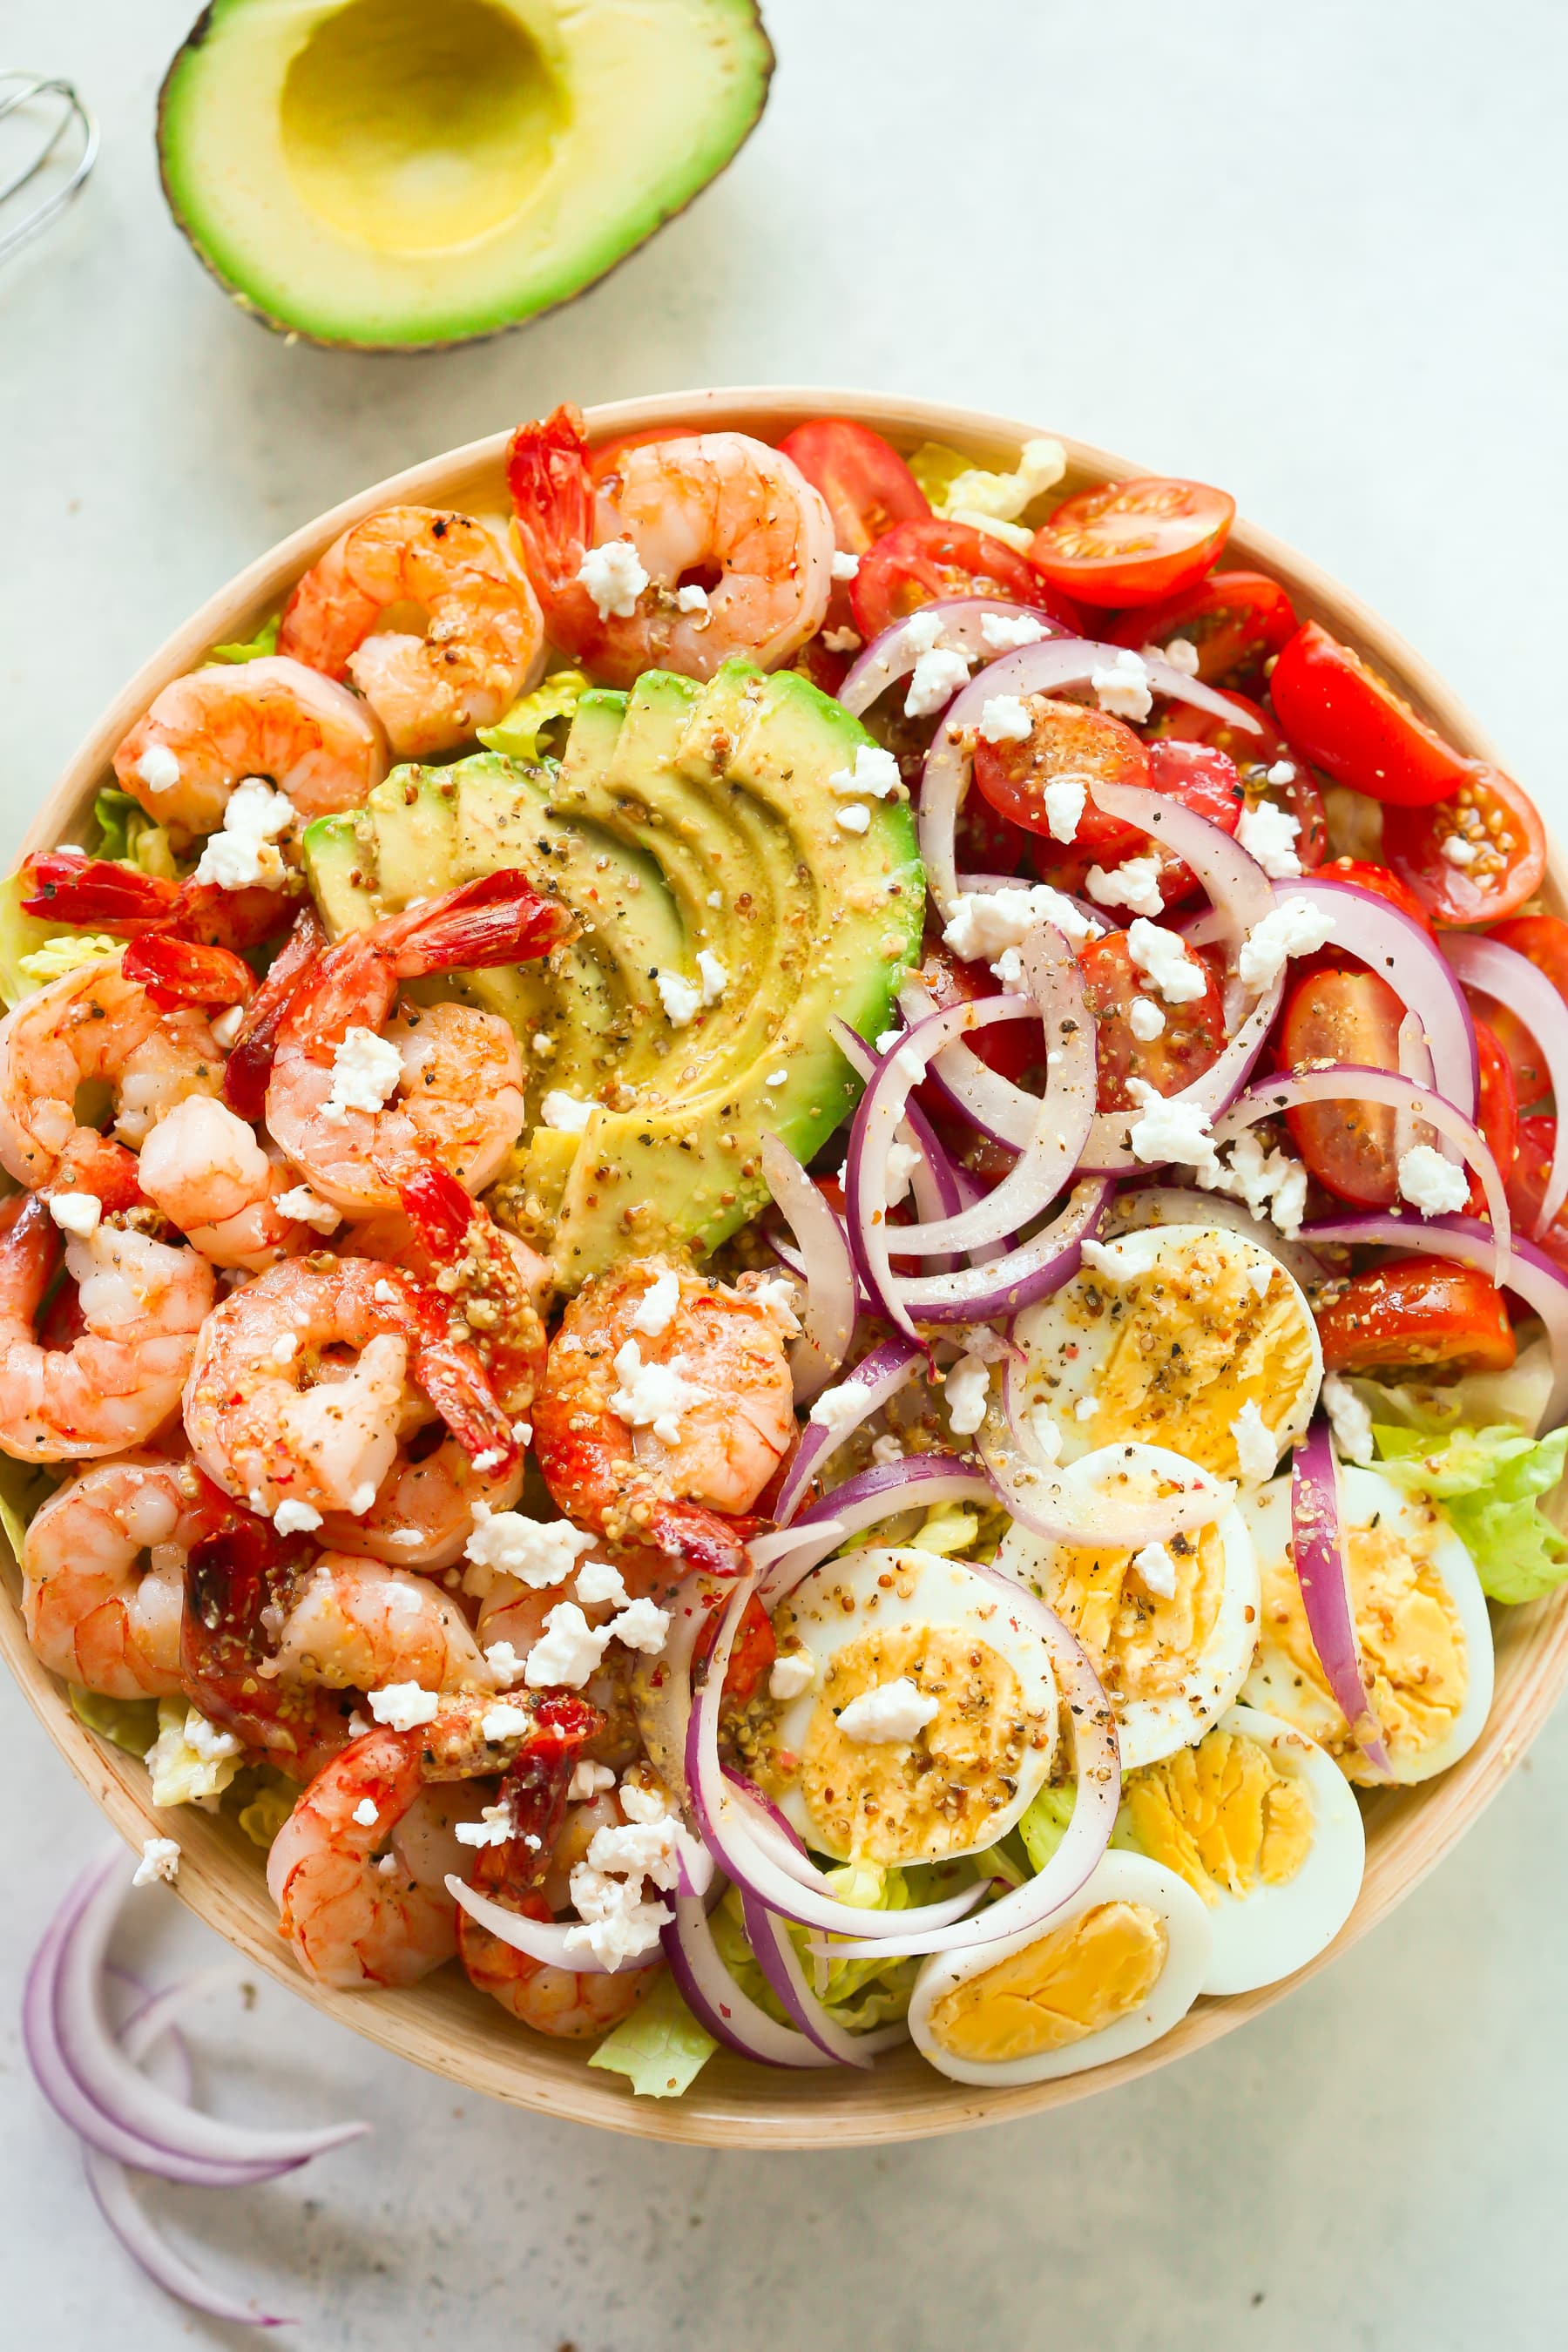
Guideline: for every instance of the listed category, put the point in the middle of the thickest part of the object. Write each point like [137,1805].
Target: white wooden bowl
[443,2023]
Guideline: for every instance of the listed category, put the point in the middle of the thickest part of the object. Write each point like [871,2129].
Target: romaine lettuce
[1489,1482]
[660,2048]
[253,648]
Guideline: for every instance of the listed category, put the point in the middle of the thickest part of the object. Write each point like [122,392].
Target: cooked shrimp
[278,718]
[140,1303]
[357,1624]
[714,504]
[209,1175]
[99,894]
[93,1024]
[653,1460]
[103,1575]
[495,1281]
[484,642]
[424,1510]
[354,1920]
[459,1097]
[241,1582]
[296,1392]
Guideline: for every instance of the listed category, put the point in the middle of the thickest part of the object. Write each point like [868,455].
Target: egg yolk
[1222,1815]
[886,1801]
[1413,1651]
[1140,1645]
[1074,1982]
[1192,1342]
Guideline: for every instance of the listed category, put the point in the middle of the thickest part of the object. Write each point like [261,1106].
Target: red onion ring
[1003,1286]
[831,1299]
[1239,890]
[1317,1550]
[542,1940]
[876,1378]
[869,1496]
[1004,1111]
[1502,972]
[1401,952]
[768,1936]
[1169,1205]
[718,2002]
[888,657]
[934,1181]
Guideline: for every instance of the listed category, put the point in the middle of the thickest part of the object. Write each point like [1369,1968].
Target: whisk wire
[20,89]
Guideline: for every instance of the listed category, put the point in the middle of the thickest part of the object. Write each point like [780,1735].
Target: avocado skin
[664,798]
[750,34]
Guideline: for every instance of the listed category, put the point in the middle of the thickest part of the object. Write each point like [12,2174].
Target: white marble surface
[1312,253]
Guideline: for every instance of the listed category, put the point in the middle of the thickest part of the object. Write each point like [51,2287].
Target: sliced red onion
[541,1939]
[891,656]
[777,1544]
[1317,1547]
[769,1937]
[1075,1505]
[876,1378]
[718,2002]
[828,1321]
[1004,1111]
[1109,1152]
[1034,669]
[1350,1082]
[922,1481]
[1239,890]
[1003,1286]
[1402,953]
[1503,973]
[1170,1204]
[934,1181]
[1530,1275]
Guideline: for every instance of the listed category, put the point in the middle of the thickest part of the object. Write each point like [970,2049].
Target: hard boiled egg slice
[1175,1334]
[1171,1652]
[1112,1972]
[949,1708]
[1421,1622]
[1265,1828]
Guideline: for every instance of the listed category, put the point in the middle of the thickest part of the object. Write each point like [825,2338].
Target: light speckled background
[1312,253]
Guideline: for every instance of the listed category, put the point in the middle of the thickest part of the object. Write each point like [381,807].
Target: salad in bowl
[786,1270]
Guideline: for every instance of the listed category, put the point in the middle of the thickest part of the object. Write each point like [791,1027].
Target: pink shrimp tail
[249,1064]
[548,474]
[500,918]
[179,972]
[704,1540]
[69,886]
[438,1209]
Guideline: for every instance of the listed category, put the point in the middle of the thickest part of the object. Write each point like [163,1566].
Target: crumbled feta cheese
[1294,927]
[641,1626]
[1086,1408]
[715,980]
[1272,1184]
[285,1348]
[1166,963]
[599,1580]
[1267,832]
[1123,686]
[564,1113]
[1008,968]
[692,599]
[967,1390]
[1429,1182]
[1169,1130]
[160,1859]
[367,1813]
[243,856]
[1158,1571]
[874,773]
[292,1518]
[1349,1419]
[844,566]
[887,1448]
[567,1652]
[504,1664]
[1257,1279]
[505,1721]
[307,1208]
[776,1078]
[889,1714]
[617,1924]
[934,680]
[1283,772]
[362,1498]
[1065,799]
[903,1159]
[657,1309]
[1459,850]
[1044,1433]
[1144,1019]
[522,1432]
[226,1026]
[614,578]
[983,923]
[588,1780]
[76,1212]
[921,633]
[839,1409]
[495,1826]
[681,998]
[1005,719]
[653,1396]
[366,1070]
[790,1675]
[1181,654]
[778,1295]
[490,1459]
[538,1553]
[856,818]
[1126,1260]
[158,768]
[1005,632]
[841,640]
[1257,1447]
[1134,883]
[403,1705]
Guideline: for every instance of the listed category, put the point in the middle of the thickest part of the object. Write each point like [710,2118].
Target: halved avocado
[396,174]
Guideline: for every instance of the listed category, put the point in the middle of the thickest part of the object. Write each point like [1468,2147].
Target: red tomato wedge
[915,563]
[1346,720]
[1414,1314]
[1491,825]
[1234,619]
[1336,1015]
[1133,542]
[1008,1047]
[1200,779]
[1497,1113]
[866,483]
[1069,739]
[1527,1184]
[1542,940]
[1262,757]
[1190,1043]
[1381,885]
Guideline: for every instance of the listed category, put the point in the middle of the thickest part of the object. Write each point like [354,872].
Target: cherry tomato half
[1190,1043]
[1543,940]
[1381,885]
[1343,715]
[866,483]
[1497,1112]
[1235,620]
[1200,779]
[1008,1047]
[1414,1313]
[1493,822]
[915,563]
[751,1655]
[1069,739]
[1133,542]
[1262,757]
[1337,1014]
[1527,1185]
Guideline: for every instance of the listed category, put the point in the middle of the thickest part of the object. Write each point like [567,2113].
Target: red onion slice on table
[828,1320]
[1496,971]
[891,656]
[1317,1546]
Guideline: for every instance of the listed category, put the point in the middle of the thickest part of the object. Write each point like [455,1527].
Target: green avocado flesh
[680,818]
[404,172]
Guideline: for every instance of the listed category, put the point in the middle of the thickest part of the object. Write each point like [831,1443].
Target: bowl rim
[443,2024]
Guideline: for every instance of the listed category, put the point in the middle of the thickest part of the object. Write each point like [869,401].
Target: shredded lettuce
[961,491]
[1043,1823]
[517,734]
[1489,1482]
[23,939]
[271,1798]
[129,836]
[660,2048]
[192,1762]
[948,1528]
[253,648]
[857,1994]
[130,1723]
[1474,1401]
[24,1486]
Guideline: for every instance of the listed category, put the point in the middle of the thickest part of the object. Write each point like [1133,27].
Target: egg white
[1117,1878]
[945,1592]
[1273,1684]
[1148,1729]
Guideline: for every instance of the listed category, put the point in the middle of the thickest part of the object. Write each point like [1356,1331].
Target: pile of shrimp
[255,1316]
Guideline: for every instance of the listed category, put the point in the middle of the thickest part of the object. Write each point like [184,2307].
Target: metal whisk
[53,122]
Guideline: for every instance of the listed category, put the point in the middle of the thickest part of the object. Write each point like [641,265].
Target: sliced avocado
[397,174]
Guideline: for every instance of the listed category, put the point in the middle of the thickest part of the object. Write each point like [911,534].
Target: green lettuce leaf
[24,1486]
[1043,1823]
[1489,1482]
[191,1759]
[519,733]
[660,2048]
[268,1798]
[129,836]
[253,648]
[130,1723]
